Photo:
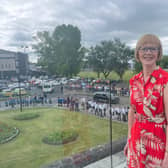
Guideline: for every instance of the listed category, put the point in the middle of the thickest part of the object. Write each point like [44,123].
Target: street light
[18,69]
[20,95]
[110,127]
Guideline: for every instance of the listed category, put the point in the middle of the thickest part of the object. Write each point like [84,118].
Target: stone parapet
[89,156]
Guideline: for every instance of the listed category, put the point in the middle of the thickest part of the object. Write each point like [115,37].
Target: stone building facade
[12,64]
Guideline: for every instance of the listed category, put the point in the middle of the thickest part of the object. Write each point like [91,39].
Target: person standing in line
[112,111]
[68,101]
[45,97]
[96,108]
[120,112]
[104,109]
[147,145]
[92,106]
[127,109]
[115,112]
[62,88]
[124,113]
[99,109]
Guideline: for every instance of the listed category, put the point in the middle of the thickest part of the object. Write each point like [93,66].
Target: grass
[28,149]
[7,133]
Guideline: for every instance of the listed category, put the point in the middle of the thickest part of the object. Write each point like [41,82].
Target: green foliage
[59,52]
[127,75]
[26,116]
[112,76]
[122,54]
[164,62]
[61,137]
[101,58]
[84,52]
[7,133]
[137,66]
[110,55]
[87,74]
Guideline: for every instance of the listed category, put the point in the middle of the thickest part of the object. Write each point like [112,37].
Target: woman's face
[148,54]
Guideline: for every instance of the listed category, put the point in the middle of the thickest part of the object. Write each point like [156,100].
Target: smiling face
[148,54]
[148,49]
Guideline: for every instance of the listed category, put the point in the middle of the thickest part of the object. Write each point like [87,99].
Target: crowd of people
[27,100]
[119,112]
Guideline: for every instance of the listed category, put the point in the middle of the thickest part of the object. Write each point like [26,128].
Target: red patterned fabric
[147,143]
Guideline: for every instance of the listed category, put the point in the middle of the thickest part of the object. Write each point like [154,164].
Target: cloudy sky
[98,20]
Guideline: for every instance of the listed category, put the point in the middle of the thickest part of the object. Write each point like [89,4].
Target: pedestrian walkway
[119,161]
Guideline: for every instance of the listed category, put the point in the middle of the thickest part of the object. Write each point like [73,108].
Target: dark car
[104,97]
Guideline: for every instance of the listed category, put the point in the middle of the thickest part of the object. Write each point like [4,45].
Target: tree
[123,54]
[128,75]
[137,66]
[59,52]
[110,55]
[101,58]
[43,49]
[84,55]
[164,62]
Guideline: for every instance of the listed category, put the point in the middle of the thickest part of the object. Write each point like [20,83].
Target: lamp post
[20,95]
[18,70]
[110,127]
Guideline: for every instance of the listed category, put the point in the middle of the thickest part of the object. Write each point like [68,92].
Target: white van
[47,87]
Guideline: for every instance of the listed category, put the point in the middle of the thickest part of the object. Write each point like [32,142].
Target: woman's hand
[165,161]
[126,149]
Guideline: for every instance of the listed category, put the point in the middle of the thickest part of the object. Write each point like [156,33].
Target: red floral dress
[147,143]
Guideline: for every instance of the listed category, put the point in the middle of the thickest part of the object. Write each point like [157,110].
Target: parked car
[104,97]
[7,92]
[17,90]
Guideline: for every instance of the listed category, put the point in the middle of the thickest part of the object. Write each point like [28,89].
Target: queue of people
[69,102]
[118,112]
[27,100]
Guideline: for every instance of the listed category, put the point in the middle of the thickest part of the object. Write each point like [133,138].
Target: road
[124,100]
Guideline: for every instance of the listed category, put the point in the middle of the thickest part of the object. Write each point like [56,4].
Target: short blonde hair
[148,39]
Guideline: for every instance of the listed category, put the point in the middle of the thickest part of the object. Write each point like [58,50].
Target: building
[35,70]
[12,64]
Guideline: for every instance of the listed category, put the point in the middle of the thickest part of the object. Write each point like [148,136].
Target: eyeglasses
[151,49]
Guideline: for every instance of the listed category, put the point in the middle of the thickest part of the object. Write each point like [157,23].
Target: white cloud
[97,20]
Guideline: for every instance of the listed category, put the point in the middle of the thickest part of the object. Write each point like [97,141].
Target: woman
[147,144]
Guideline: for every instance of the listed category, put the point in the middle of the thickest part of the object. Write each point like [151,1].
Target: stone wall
[93,154]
